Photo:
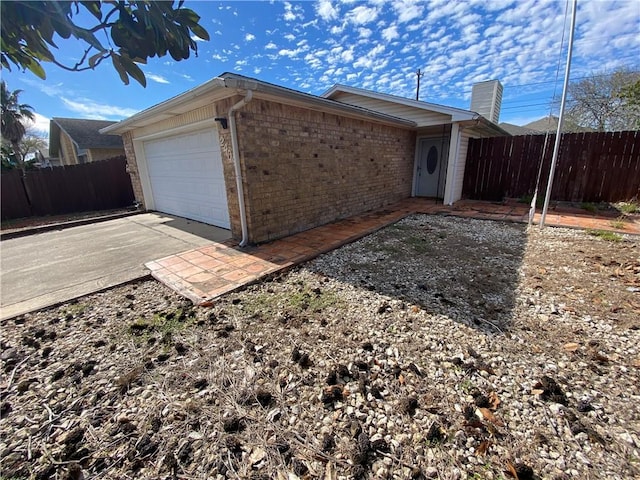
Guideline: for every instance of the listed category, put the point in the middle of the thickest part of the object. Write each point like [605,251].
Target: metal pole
[419,74]
[556,147]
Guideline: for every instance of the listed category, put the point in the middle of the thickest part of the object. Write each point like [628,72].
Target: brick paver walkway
[207,272]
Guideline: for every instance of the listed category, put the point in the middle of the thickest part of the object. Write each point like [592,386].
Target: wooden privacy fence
[592,167]
[87,187]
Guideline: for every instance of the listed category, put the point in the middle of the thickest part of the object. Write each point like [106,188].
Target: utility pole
[419,75]
[556,147]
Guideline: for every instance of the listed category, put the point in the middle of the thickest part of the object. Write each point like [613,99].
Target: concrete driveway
[45,269]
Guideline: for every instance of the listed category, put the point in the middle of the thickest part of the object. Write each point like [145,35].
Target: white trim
[414,183]
[230,84]
[201,125]
[454,144]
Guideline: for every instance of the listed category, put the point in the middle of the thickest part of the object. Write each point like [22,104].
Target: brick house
[267,161]
[77,140]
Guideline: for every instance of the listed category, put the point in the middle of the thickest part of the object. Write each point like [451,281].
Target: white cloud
[293,12]
[88,108]
[270,46]
[361,15]
[54,90]
[364,32]
[156,78]
[347,56]
[372,59]
[326,10]
[292,53]
[390,33]
[249,37]
[290,36]
[314,59]
[407,10]
[40,124]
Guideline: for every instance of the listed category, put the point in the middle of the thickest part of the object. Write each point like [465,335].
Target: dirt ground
[438,347]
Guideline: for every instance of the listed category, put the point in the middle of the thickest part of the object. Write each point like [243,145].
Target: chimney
[486,99]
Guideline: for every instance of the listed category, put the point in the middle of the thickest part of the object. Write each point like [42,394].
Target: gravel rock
[438,347]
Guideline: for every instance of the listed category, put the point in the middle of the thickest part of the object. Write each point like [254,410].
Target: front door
[432,167]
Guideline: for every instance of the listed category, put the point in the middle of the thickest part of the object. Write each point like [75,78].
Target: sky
[377,45]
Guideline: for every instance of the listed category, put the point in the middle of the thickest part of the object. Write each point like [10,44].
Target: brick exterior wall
[132,168]
[224,136]
[303,168]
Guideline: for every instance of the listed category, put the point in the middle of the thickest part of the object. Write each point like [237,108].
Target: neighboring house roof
[85,134]
[517,130]
[544,124]
[231,84]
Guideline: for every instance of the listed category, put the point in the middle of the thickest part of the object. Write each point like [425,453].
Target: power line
[553,81]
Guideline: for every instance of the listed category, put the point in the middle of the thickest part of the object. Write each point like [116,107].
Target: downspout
[236,164]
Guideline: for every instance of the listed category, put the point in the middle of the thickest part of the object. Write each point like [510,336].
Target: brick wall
[132,168]
[303,168]
[224,136]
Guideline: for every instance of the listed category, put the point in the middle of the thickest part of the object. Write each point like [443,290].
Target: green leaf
[188,16]
[200,32]
[94,58]
[37,69]
[88,37]
[133,70]
[115,58]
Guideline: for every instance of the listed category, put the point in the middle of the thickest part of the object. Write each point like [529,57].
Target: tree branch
[77,68]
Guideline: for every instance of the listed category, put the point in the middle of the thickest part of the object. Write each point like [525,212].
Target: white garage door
[187,178]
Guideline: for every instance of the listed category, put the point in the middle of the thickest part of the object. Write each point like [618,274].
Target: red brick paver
[205,273]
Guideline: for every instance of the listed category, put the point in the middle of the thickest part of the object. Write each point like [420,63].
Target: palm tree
[14,114]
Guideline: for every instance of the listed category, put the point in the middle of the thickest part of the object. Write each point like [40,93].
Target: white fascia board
[231,84]
[457,114]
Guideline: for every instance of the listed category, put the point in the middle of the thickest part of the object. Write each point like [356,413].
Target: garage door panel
[187,178]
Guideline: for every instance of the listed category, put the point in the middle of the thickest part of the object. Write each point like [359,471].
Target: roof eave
[231,84]
[457,114]
[485,127]
[128,123]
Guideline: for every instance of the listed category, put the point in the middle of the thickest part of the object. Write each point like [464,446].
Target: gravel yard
[438,347]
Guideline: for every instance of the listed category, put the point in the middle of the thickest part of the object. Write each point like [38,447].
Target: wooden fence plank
[101,185]
[14,201]
[592,167]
